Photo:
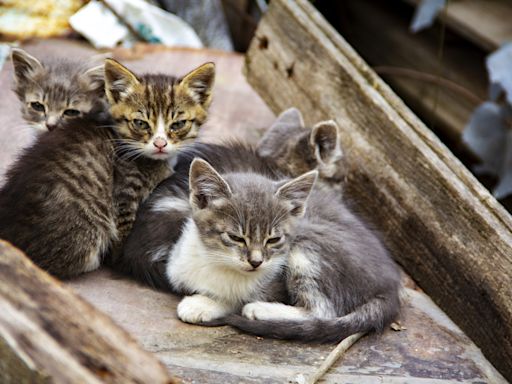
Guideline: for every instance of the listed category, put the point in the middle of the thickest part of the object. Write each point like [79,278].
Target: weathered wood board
[49,334]
[446,230]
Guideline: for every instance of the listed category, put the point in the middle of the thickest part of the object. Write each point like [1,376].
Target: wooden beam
[444,92]
[446,229]
[49,334]
[486,23]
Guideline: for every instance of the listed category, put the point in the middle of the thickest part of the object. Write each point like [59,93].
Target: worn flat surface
[431,350]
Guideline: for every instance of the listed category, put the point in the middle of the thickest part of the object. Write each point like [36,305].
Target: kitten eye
[274,240]
[71,112]
[236,238]
[178,125]
[37,106]
[141,124]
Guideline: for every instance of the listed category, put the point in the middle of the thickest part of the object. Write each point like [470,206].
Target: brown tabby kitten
[54,92]
[72,196]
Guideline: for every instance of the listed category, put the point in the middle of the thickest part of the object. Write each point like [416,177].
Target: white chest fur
[193,267]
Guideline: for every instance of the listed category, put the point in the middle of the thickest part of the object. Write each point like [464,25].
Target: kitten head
[156,114]
[298,149]
[54,93]
[246,220]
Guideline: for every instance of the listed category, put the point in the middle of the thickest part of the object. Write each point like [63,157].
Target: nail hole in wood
[289,70]
[263,42]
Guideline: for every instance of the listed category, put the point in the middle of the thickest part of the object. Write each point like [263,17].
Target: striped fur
[55,92]
[71,198]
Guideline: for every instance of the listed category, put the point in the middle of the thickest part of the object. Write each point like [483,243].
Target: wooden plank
[410,63]
[487,23]
[49,334]
[447,231]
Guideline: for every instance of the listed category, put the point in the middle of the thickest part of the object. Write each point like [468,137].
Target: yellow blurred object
[23,19]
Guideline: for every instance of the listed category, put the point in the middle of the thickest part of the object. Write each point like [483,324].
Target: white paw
[260,310]
[199,309]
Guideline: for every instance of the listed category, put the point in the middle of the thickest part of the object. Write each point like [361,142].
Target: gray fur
[65,89]
[345,283]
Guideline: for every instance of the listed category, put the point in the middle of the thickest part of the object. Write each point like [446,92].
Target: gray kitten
[293,259]
[55,92]
[158,224]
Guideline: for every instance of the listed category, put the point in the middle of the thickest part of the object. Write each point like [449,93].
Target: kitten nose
[255,263]
[51,127]
[255,258]
[160,142]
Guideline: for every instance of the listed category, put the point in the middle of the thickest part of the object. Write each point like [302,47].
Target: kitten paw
[260,310]
[199,309]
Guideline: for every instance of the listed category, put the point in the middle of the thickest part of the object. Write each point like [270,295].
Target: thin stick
[335,354]
[430,78]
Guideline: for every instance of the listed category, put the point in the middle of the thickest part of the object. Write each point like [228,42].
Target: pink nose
[160,142]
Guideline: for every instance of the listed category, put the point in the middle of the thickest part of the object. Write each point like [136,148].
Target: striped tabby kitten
[73,194]
[158,223]
[293,259]
[56,92]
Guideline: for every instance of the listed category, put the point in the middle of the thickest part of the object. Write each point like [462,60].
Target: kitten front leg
[260,310]
[199,309]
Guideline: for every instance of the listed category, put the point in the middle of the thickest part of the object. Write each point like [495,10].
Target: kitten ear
[119,81]
[93,79]
[296,192]
[25,65]
[325,142]
[205,184]
[199,83]
[289,123]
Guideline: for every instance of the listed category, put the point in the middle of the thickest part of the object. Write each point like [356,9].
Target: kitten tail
[375,315]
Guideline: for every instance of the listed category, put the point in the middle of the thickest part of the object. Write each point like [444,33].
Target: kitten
[297,149]
[73,194]
[293,259]
[158,224]
[54,92]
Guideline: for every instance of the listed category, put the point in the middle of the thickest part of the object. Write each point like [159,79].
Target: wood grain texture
[447,231]
[50,335]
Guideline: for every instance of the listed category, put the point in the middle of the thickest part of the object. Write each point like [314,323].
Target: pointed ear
[199,83]
[25,65]
[288,123]
[325,142]
[93,79]
[296,192]
[119,81]
[205,184]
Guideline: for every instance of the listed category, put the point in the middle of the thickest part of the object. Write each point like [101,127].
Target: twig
[123,21]
[335,354]
[430,78]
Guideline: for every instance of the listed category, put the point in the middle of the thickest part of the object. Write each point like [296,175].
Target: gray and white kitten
[157,226]
[292,259]
[55,92]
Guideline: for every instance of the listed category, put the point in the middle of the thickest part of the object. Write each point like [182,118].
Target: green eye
[71,112]
[141,124]
[274,240]
[37,106]
[177,125]
[236,238]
